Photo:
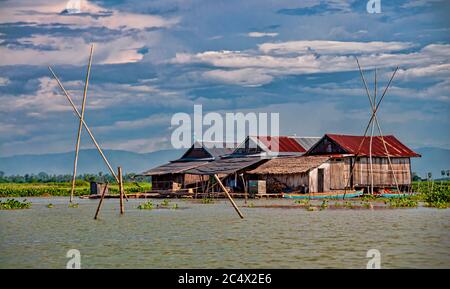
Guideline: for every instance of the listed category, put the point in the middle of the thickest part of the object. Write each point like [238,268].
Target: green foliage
[12,204]
[403,202]
[175,206]
[324,205]
[146,206]
[73,205]
[207,201]
[302,202]
[164,203]
[63,189]
[50,206]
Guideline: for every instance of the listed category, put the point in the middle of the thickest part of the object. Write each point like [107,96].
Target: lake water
[213,236]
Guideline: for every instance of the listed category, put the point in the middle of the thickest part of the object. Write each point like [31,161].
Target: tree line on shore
[43,177]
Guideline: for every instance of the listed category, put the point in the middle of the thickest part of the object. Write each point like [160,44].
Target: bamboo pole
[228,196]
[119,172]
[371,136]
[374,111]
[80,126]
[100,202]
[245,189]
[113,173]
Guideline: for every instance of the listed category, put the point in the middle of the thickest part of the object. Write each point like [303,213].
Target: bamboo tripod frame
[373,120]
[83,124]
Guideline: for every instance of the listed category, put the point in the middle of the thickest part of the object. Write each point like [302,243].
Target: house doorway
[320,180]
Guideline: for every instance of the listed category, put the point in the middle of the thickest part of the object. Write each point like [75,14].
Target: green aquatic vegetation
[12,204]
[175,206]
[302,202]
[367,205]
[50,206]
[73,205]
[164,203]
[146,206]
[367,197]
[251,205]
[337,204]
[312,209]
[402,202]
[324,205]
[437,199]
[207,201]
[348,205]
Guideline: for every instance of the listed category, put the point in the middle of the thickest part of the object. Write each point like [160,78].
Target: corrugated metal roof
[289,165]
[225,166]
[208,150]
[351,143]
[282,144]
[173,168]
[307,142]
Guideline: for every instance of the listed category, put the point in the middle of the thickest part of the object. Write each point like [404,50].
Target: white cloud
[48,12]
[441,71]
[4,81]
[332,47]
[122,47]
[141,145]
[262,34]
[257,67]
[244,77]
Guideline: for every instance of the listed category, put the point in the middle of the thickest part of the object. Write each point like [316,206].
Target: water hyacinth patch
[12,204]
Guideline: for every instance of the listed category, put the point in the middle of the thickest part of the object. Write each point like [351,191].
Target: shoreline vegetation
[429,194]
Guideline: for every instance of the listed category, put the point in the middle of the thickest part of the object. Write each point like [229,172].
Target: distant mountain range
[89,161]
[433,160]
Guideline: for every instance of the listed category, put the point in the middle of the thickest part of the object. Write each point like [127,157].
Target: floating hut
[304,174]
[349,163]
[172,176]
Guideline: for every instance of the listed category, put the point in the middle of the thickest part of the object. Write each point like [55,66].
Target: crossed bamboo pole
[80,116]
[373,117]
[80,126]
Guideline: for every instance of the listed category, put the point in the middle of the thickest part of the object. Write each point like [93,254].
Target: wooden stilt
[119,172]
[228,196]
[245,189]
[80,126]
[100,202]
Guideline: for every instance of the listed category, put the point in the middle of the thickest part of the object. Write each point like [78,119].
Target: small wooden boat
[327,195]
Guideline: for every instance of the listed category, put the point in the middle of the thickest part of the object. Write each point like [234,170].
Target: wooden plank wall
[381,171]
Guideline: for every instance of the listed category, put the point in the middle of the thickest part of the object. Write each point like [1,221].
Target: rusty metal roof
[351,144]
[282,144]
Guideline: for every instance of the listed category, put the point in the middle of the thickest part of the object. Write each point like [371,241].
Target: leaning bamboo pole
[371,137]
[80,126]
[100,202]
[228,196]
[86,127]
[373,115]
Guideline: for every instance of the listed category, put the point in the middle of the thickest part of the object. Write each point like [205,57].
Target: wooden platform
[182,194]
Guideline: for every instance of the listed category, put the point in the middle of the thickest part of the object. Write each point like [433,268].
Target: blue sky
[156,58]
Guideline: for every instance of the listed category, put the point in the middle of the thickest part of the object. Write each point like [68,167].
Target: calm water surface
[213,236]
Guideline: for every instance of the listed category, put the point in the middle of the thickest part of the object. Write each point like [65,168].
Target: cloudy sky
[156,58]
